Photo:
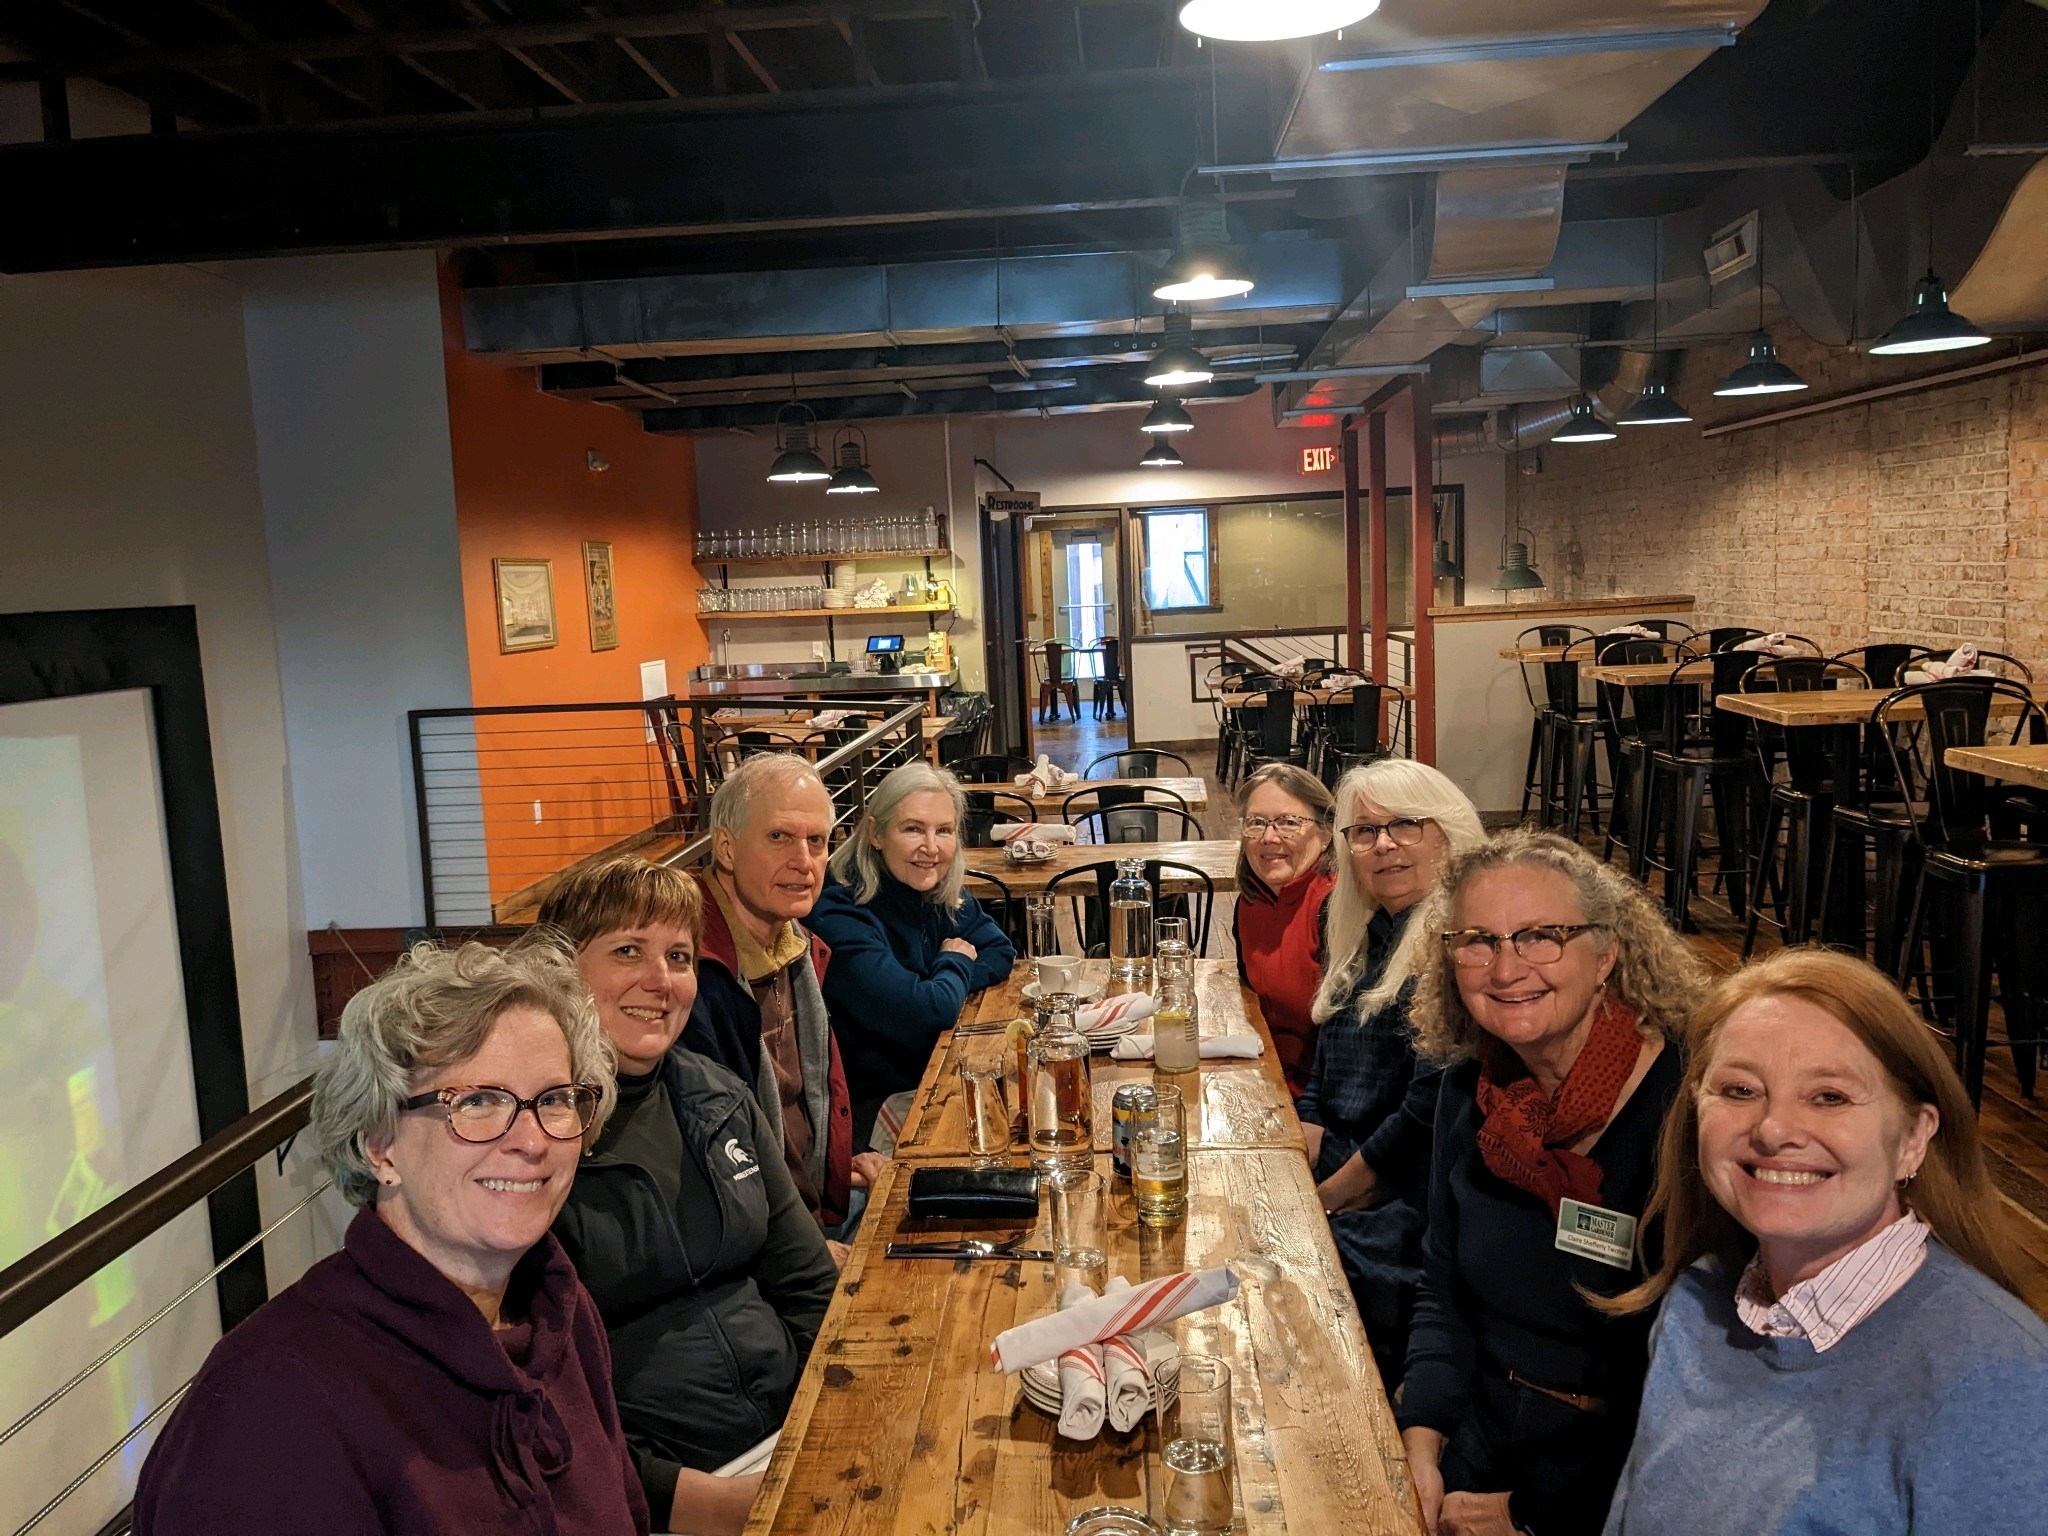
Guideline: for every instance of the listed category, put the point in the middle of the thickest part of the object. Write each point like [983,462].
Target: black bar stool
[1536,772]
[1798,806]
[1705,751]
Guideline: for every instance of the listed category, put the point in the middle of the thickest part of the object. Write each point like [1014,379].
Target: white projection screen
[97,1065]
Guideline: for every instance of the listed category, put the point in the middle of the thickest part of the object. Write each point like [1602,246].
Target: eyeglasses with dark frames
[1402,831]
[1289,827]
[1539,945]
[484,1113]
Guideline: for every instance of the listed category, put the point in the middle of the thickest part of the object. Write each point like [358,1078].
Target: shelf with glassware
[849,612]
[908,535]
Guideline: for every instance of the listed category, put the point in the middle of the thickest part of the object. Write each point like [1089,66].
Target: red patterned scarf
[1527,1135]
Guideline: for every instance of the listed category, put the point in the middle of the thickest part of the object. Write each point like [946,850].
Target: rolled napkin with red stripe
[1214,1047]
[1114,1012]
[1151,1305]
[1032,831]
[1126,1363]
[1083,1376]
[1960,662]
[1636,631]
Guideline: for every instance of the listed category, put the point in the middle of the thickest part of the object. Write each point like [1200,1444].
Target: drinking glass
[1041,926]
[1159,1162]
[1080,1226]
[988,1116]
[1172,930]
[1198,1498]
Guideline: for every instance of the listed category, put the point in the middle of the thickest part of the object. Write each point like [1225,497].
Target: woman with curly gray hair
[446,1370]
[1556,998]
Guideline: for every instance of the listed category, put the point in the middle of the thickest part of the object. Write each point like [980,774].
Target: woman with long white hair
[908,942]
[1369,1106]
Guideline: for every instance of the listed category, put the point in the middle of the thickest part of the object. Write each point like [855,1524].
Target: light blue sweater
[1927,1418]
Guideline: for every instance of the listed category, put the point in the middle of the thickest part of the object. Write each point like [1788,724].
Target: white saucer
[1083,990]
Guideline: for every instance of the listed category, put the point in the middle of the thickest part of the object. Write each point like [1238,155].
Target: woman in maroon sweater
[1283,877]
[446,1371]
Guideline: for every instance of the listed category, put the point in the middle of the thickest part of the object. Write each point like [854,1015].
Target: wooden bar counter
[901,1425]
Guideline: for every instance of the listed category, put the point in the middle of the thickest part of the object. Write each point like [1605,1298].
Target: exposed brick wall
[1921,517]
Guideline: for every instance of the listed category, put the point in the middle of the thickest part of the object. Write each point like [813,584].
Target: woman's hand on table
[1423,1447]
[712,1506]
[839,1251]
[867,1167]
[959,947]
[1350,1188]
[1476,1514]
[1312,1138]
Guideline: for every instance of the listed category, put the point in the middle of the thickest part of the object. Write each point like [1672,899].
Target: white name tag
[1594,1232]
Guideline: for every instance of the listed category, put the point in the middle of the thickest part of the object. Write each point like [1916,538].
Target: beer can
[1131,1107]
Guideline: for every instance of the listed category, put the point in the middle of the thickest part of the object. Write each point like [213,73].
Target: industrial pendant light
[1269,21]
[1584,427]
[1516,574]
[1162,455]
[1203,267]
[1167,416]
[1655,407]
[852,477]
[1763,374]
[1177,363]
[1931,327]
[796,462]
[1443,567]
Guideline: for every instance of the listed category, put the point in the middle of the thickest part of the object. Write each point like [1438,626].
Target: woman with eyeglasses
[446,1370]
[1283,878]
[711,1275]
[1368,1108]
[1556,1001]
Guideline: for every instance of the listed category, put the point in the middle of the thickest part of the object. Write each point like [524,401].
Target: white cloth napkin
[1021,850]
[1032,832]
[825,719]
[1772,643]
[1960,662]
[1290,668]
[1125,1008]
[1335,681]
[1150,1305]
[1045,776]
[1213,1048]
[1083,1376]
[1128,1366]
[1637,631]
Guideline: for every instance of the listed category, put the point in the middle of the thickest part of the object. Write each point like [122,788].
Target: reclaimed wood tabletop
[1839,708]
[2012,765]
[1214,857]
[1194,791]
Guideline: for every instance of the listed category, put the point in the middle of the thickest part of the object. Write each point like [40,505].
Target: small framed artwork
[526,604]
[604,603]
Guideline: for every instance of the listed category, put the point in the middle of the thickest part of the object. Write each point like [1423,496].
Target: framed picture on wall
[604,603]
[526,604]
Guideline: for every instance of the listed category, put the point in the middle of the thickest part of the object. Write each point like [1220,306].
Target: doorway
[1074,593]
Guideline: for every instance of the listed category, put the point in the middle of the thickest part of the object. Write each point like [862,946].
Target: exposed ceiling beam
[1086,393]
[357,16]
[241,26]
[520,52]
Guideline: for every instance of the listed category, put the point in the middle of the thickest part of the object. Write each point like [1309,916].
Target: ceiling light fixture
[1584,427]
[1271,21]
[1203,266]
[1167,416]
[796,461]
[1516,574]
[852,477]
[1931,327]
[1763,374]
[1177,363]
[1655,407]
[1162,455]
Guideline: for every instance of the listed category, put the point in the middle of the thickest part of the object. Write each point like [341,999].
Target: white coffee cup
[1058,973]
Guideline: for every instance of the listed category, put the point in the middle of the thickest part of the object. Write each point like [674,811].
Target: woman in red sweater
[1283,876]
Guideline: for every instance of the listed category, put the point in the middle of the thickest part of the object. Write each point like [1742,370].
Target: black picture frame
[61,655]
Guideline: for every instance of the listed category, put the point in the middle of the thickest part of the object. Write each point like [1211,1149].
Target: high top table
[1193,790]
[1214,857]
[901,1425]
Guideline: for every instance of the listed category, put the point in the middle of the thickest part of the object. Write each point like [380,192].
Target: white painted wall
[350,401]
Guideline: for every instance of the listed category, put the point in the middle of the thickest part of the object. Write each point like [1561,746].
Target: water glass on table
[982,1076]
[1198,1497]
[1041,927]
[1080,1227]
[1159,1161]
[1172,930]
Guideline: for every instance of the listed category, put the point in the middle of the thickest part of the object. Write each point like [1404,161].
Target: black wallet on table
[988,1194]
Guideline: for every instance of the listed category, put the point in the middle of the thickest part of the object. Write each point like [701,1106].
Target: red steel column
[1354,546]
[1376,537]
[1421,502]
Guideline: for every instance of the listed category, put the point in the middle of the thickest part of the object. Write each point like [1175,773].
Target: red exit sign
[1318,461]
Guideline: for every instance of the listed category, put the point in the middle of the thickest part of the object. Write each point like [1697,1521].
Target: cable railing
[850,758]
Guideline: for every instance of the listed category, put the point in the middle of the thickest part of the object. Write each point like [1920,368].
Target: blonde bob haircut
[858,861]
[1307,791]
[1953,1192]
[435,1008]
[1654,972]
[1400,787]
[622,892]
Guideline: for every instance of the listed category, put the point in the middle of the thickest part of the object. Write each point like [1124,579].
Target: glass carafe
[1130,923]
[1177,1026]
[1062,1105]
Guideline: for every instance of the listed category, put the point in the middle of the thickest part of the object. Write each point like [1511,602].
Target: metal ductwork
[1510,428]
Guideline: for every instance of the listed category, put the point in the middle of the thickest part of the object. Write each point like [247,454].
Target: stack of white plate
[1104,1036]
[1042,1384]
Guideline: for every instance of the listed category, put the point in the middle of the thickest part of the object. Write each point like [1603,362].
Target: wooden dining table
[901,1424]
[1214,857]
[1840,707]
[1194,791]
[1311,695]
[2022,764]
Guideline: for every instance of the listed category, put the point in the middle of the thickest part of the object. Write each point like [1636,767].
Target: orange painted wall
[524,490]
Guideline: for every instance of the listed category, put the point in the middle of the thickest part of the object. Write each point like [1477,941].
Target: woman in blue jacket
[908,942]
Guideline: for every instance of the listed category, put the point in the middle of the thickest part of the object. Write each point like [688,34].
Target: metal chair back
[1951,805]
[986,807]
[1139,763]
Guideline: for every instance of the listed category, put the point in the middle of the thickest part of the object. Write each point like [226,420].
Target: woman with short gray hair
[446,1370]
[908,943]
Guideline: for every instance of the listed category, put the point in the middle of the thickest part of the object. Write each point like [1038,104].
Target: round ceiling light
[1271,21]
[1177,363]
[1167,416]
[1931,327]
[1656,408]
[1204,267]
[796,462]
[1763,374]
[852,477]
[1584,427]
[1162,455]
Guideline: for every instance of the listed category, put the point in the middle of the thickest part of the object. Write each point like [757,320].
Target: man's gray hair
[436,1008]
[732,806]
[858,862]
